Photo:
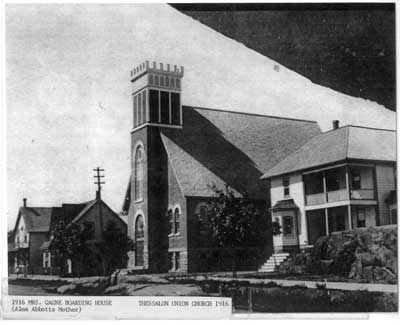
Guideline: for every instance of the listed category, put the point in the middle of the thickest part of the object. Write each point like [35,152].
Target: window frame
[139,171]
[292,230]
[286,187]
[139,235]
[361,221]
[177,261]
[177,223]
[202,226]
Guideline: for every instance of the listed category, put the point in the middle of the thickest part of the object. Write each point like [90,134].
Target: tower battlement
[155,67]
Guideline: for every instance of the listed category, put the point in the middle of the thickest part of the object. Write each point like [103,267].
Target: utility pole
[98,182]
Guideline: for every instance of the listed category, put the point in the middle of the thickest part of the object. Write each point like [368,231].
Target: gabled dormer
[156,92]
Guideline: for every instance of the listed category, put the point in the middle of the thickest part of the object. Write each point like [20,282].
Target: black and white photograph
[185,156]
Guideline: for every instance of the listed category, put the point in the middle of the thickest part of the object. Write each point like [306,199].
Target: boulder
[366,259]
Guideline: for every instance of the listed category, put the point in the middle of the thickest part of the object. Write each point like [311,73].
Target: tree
[88,255]
[276,227]
[233,222]
[113,249]
[69,243]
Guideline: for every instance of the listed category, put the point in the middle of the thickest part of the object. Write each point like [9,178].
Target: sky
[68,92]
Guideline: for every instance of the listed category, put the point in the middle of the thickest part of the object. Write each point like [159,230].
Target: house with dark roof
[338,180]
[31,251]
[179,153]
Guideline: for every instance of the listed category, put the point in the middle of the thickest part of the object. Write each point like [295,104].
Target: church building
[178,154]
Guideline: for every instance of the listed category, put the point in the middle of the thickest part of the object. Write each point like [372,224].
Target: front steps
[274,261]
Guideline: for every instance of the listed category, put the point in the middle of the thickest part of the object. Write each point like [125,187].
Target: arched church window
[177,222]
[139,228]
[139,241]
[139,173]
[203,211]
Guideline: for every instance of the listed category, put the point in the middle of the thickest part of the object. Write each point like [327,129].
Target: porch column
[347,182]
[349,216]
[324,184]
[326,221]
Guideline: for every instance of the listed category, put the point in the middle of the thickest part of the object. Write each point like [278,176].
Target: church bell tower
[156,95]
[156,91]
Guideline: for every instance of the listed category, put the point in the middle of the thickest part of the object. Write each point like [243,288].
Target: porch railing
[339,195]
[314,199]
[363,194]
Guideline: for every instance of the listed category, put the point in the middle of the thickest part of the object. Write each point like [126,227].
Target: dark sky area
[349,48]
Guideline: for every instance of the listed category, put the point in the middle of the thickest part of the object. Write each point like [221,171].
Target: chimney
[335,124]
[24,200]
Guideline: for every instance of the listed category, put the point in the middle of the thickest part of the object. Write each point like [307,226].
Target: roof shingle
[220,147]
[348,142]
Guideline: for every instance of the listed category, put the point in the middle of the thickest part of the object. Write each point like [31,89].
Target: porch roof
[348,142]
[284,205]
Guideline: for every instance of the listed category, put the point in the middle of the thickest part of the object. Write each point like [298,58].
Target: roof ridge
[251,114]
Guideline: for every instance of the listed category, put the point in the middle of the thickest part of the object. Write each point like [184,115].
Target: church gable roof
[220,147]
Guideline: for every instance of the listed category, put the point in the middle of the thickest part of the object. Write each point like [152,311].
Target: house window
[178,83]
[162,81]
[288,225]
[166,82]
[177,223]
[171,221]
[139,171]
[286,189]
[360,218]
[177,261]
[151,79]
[25,238]
[173,82]
[157,80]
[355,179]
